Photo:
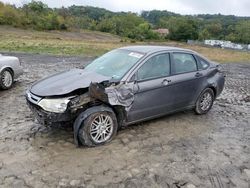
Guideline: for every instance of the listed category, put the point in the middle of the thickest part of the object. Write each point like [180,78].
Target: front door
[153,84]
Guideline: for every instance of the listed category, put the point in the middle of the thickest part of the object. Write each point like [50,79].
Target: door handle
[198,74]
[165,82]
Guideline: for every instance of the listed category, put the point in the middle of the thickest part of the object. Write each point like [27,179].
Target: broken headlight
[54,105]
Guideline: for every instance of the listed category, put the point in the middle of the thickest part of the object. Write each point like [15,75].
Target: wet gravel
[179,150]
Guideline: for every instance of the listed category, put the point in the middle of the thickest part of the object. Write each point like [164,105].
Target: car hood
[66,82]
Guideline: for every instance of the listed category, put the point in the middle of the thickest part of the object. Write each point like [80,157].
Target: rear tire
[204,102]
[6,79]
[98,128]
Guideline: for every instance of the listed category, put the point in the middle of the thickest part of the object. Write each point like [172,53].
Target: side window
[203,64]
[183,62]
[157,66]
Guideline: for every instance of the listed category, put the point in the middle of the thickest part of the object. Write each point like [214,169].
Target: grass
[56,47]
[83,43]
[89,43]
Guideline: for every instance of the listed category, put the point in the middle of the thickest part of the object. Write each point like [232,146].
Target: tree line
[39,16]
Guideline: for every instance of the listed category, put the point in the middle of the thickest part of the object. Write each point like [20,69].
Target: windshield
[115,63]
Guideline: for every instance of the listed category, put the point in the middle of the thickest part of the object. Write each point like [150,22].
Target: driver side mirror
[134,78]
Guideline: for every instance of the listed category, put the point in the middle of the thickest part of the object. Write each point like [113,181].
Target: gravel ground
[180,150]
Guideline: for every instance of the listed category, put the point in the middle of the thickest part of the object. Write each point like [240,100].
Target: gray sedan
[10,69]
[126,86]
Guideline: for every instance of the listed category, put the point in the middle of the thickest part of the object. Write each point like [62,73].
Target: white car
[10,69]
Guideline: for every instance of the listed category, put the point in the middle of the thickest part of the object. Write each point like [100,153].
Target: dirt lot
[180,150]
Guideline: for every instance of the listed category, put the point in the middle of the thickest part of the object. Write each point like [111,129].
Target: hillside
[140,27]
[89,43]
[81,42]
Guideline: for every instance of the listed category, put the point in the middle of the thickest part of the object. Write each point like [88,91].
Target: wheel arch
[214,90]
[197,108]
[118,110]
[8,68]
[84,114]
[208,86]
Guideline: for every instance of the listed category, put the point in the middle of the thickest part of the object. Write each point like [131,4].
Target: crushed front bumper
[45,117]
[48,118]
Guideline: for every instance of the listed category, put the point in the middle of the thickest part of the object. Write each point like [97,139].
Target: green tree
[9,15]
[214,30]
[39,16]
[204,34]
[37,6]
[243,32]
[122,25]
[106,25]
[163,22]
[154,16]
[182,29]
[231,37]
[143,32]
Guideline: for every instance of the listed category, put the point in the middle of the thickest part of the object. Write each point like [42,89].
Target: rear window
[183,63]
[202,63]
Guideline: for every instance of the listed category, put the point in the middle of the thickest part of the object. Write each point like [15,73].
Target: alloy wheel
[101,128]
[7,78]
[206,101]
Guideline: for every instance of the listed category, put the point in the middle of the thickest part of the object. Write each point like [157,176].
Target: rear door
[186,78]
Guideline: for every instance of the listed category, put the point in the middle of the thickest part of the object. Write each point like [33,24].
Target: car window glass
[203,64]
[157,66]
[183,62]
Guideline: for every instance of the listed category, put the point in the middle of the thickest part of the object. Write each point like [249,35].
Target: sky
[226,7]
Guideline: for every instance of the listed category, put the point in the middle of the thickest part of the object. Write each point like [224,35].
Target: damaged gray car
[123,87]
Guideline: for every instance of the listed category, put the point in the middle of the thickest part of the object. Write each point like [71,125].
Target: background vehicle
[10,69]
[125,86]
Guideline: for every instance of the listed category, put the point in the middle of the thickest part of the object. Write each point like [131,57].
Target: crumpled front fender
[82,116]
[121,94]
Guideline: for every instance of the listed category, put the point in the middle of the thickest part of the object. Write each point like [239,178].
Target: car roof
[148,49]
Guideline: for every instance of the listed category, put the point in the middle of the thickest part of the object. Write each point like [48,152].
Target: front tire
[98,128]
[6,79]
[204,102]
